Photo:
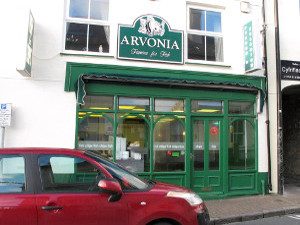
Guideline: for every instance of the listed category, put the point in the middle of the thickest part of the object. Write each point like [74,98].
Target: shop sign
[95,145]
[150,39]
[214,130]
[252,46]
[290,70]
[5,114]
[169,146]
[24,67]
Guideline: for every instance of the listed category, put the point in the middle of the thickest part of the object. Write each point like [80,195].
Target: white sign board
[5,114]
[26,31]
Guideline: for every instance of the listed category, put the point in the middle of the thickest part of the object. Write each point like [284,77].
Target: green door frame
[212,179]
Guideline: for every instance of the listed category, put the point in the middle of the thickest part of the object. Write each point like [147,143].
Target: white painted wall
[43,114]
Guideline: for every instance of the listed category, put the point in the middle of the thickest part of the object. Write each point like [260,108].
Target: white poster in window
[62,165]
[13,165]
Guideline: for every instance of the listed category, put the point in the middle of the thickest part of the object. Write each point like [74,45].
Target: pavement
[253,207]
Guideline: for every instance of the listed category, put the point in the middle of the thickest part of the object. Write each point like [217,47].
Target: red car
[40,186]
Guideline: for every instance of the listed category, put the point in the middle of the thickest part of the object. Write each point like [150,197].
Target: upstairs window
[87,27]
[205,38]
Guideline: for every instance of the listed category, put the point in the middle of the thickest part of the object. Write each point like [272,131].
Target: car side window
[12,174]
[68,174]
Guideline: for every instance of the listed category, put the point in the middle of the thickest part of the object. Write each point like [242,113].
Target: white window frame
[204,33]
[69,19]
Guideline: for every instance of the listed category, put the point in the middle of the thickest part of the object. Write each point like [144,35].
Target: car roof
[40,150]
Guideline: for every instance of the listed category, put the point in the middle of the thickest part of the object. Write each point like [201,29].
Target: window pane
[169,145]
[68,174]
[169,105]
[132,144]
[196,47]
[135,104]
[213,21]
[95,132]
[241,145]
[203,106]
[76,37]
[214,49]
[197,19]
[12,174]
[98,102]
[99,9]
[241,107]
[98,38]
[198,147]
[214,144]
[128,181]
[79,8]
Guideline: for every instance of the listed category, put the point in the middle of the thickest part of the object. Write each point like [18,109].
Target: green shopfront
[194,129]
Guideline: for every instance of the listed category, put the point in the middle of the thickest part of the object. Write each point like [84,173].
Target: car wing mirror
[112,187]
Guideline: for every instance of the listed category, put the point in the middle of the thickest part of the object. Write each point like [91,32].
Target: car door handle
[49,208]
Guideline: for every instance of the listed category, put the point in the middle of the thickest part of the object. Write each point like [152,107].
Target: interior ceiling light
[95,115]
[126,107]
[166,120]
[100,108]
[131,117]
[208,110]
[138,109]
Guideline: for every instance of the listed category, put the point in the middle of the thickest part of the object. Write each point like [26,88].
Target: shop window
[12,174]
[132,143]
[169,145]
[238,107]
[204,106]
[205,38]
[95,132]
[169,105]
[98,102]
[134,104]
[241,145]
[87,26]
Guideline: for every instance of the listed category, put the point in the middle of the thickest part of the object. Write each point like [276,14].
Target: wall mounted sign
[5,114]
[290,70]
[214,130]
[252,46]
[248,46]
[25,65]
[150,39]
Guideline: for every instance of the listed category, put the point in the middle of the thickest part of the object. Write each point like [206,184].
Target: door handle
[50,208]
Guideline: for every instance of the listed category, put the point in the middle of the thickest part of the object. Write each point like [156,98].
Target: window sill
[84,54]
[207,63]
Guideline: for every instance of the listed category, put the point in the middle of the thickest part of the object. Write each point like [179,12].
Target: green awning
[219,84]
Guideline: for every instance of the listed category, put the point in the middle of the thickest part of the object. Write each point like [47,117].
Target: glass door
[207,155]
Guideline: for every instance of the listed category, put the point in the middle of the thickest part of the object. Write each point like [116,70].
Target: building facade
[283,89]
[172,91]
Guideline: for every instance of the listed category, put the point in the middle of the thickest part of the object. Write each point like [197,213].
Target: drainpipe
[267,105]
[279,103]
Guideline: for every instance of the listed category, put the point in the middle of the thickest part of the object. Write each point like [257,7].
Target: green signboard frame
[150,38]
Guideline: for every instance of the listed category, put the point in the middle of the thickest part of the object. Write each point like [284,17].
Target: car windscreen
[128,180]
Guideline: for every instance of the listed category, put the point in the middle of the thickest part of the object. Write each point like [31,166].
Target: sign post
[5,119]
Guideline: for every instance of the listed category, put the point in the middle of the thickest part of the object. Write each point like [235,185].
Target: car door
[69,194]
[17,201]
